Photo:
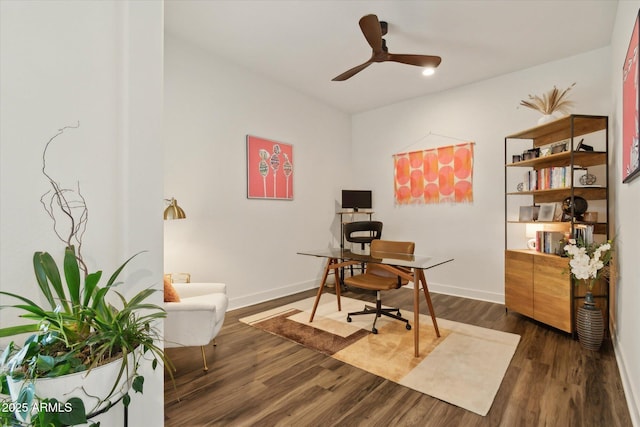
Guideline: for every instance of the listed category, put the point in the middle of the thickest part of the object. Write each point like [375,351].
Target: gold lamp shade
[173,211]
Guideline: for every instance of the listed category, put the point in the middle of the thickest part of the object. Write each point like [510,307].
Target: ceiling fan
[373,30]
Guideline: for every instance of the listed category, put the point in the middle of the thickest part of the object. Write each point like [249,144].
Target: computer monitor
[356,199]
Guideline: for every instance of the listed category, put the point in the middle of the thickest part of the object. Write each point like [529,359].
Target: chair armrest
[173,307]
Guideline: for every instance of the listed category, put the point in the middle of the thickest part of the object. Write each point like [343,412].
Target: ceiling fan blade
[351,72]
[370,26]
[419,60]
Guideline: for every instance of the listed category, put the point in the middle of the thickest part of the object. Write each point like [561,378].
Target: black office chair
[378,279]
[363,232]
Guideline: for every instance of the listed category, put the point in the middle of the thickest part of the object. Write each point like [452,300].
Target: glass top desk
[409,267]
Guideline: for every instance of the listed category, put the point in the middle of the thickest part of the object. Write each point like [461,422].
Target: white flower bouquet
[588,262]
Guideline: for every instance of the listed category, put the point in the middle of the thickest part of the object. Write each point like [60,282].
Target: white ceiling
[303,44]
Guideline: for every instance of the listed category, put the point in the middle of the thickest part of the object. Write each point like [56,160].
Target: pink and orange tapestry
[437,175]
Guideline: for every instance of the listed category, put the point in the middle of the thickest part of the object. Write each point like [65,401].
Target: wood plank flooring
[258,379]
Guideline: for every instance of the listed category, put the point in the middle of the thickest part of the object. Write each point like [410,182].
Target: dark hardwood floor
[258,379]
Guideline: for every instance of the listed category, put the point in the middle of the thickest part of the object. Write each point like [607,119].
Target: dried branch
[550,102]
[70,203]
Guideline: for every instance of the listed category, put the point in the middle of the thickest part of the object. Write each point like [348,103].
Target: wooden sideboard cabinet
[539,286]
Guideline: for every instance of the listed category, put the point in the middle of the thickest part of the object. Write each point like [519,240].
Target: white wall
[99,63]
[484,113]
[249,244]
[627,226]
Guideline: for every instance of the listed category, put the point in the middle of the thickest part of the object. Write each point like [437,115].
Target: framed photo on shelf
[528,213]
[557,216]
[630,113]
[547,212]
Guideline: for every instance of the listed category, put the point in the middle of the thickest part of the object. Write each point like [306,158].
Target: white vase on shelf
[546,119]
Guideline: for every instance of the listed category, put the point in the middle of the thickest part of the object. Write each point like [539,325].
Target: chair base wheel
[374,330]
[349,319]
[408,327]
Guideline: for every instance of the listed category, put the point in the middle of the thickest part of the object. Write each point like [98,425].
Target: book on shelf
[583,234]
[547,178]
[549,242]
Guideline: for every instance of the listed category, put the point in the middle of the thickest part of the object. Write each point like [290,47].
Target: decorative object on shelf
[527,213]
[588,179]
[558,212]
[78,329]
[588,264]
[520,186]
[559,148]
[533,153]
[553,101]
[266,179]
[591,216]
[578,205]
[582,178]
[516,158]
[173,211]
[631,109]
[583,147]
[546,119]
[547,211]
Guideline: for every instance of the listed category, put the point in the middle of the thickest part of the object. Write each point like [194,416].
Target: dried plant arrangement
[550,102]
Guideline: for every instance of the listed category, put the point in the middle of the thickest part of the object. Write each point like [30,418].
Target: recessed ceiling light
[428,71]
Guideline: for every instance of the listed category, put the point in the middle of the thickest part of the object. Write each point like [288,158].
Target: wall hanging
[269,169]
[437,175]
[630,110]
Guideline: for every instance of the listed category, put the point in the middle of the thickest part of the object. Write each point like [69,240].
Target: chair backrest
[367,231]
[388,246]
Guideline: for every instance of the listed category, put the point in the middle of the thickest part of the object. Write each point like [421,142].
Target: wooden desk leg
[416,311]
[330,261]
[427,296]
[338,282]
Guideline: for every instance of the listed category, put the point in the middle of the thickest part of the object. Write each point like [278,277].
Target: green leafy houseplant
[77,330]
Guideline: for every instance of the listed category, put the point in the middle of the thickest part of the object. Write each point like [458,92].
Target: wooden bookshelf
[538,285]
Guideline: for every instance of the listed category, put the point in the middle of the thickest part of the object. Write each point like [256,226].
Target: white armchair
[198,317]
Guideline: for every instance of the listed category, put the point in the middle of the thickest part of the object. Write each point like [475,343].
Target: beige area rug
[464,367]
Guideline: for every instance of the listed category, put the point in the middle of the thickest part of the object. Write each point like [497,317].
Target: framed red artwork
[269,169]
[630,113]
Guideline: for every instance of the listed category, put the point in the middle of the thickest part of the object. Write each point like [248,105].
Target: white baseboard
[439,288]
[632,396]
[268,295]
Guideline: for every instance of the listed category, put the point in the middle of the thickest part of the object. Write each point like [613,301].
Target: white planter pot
[93,388]
[546,119]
